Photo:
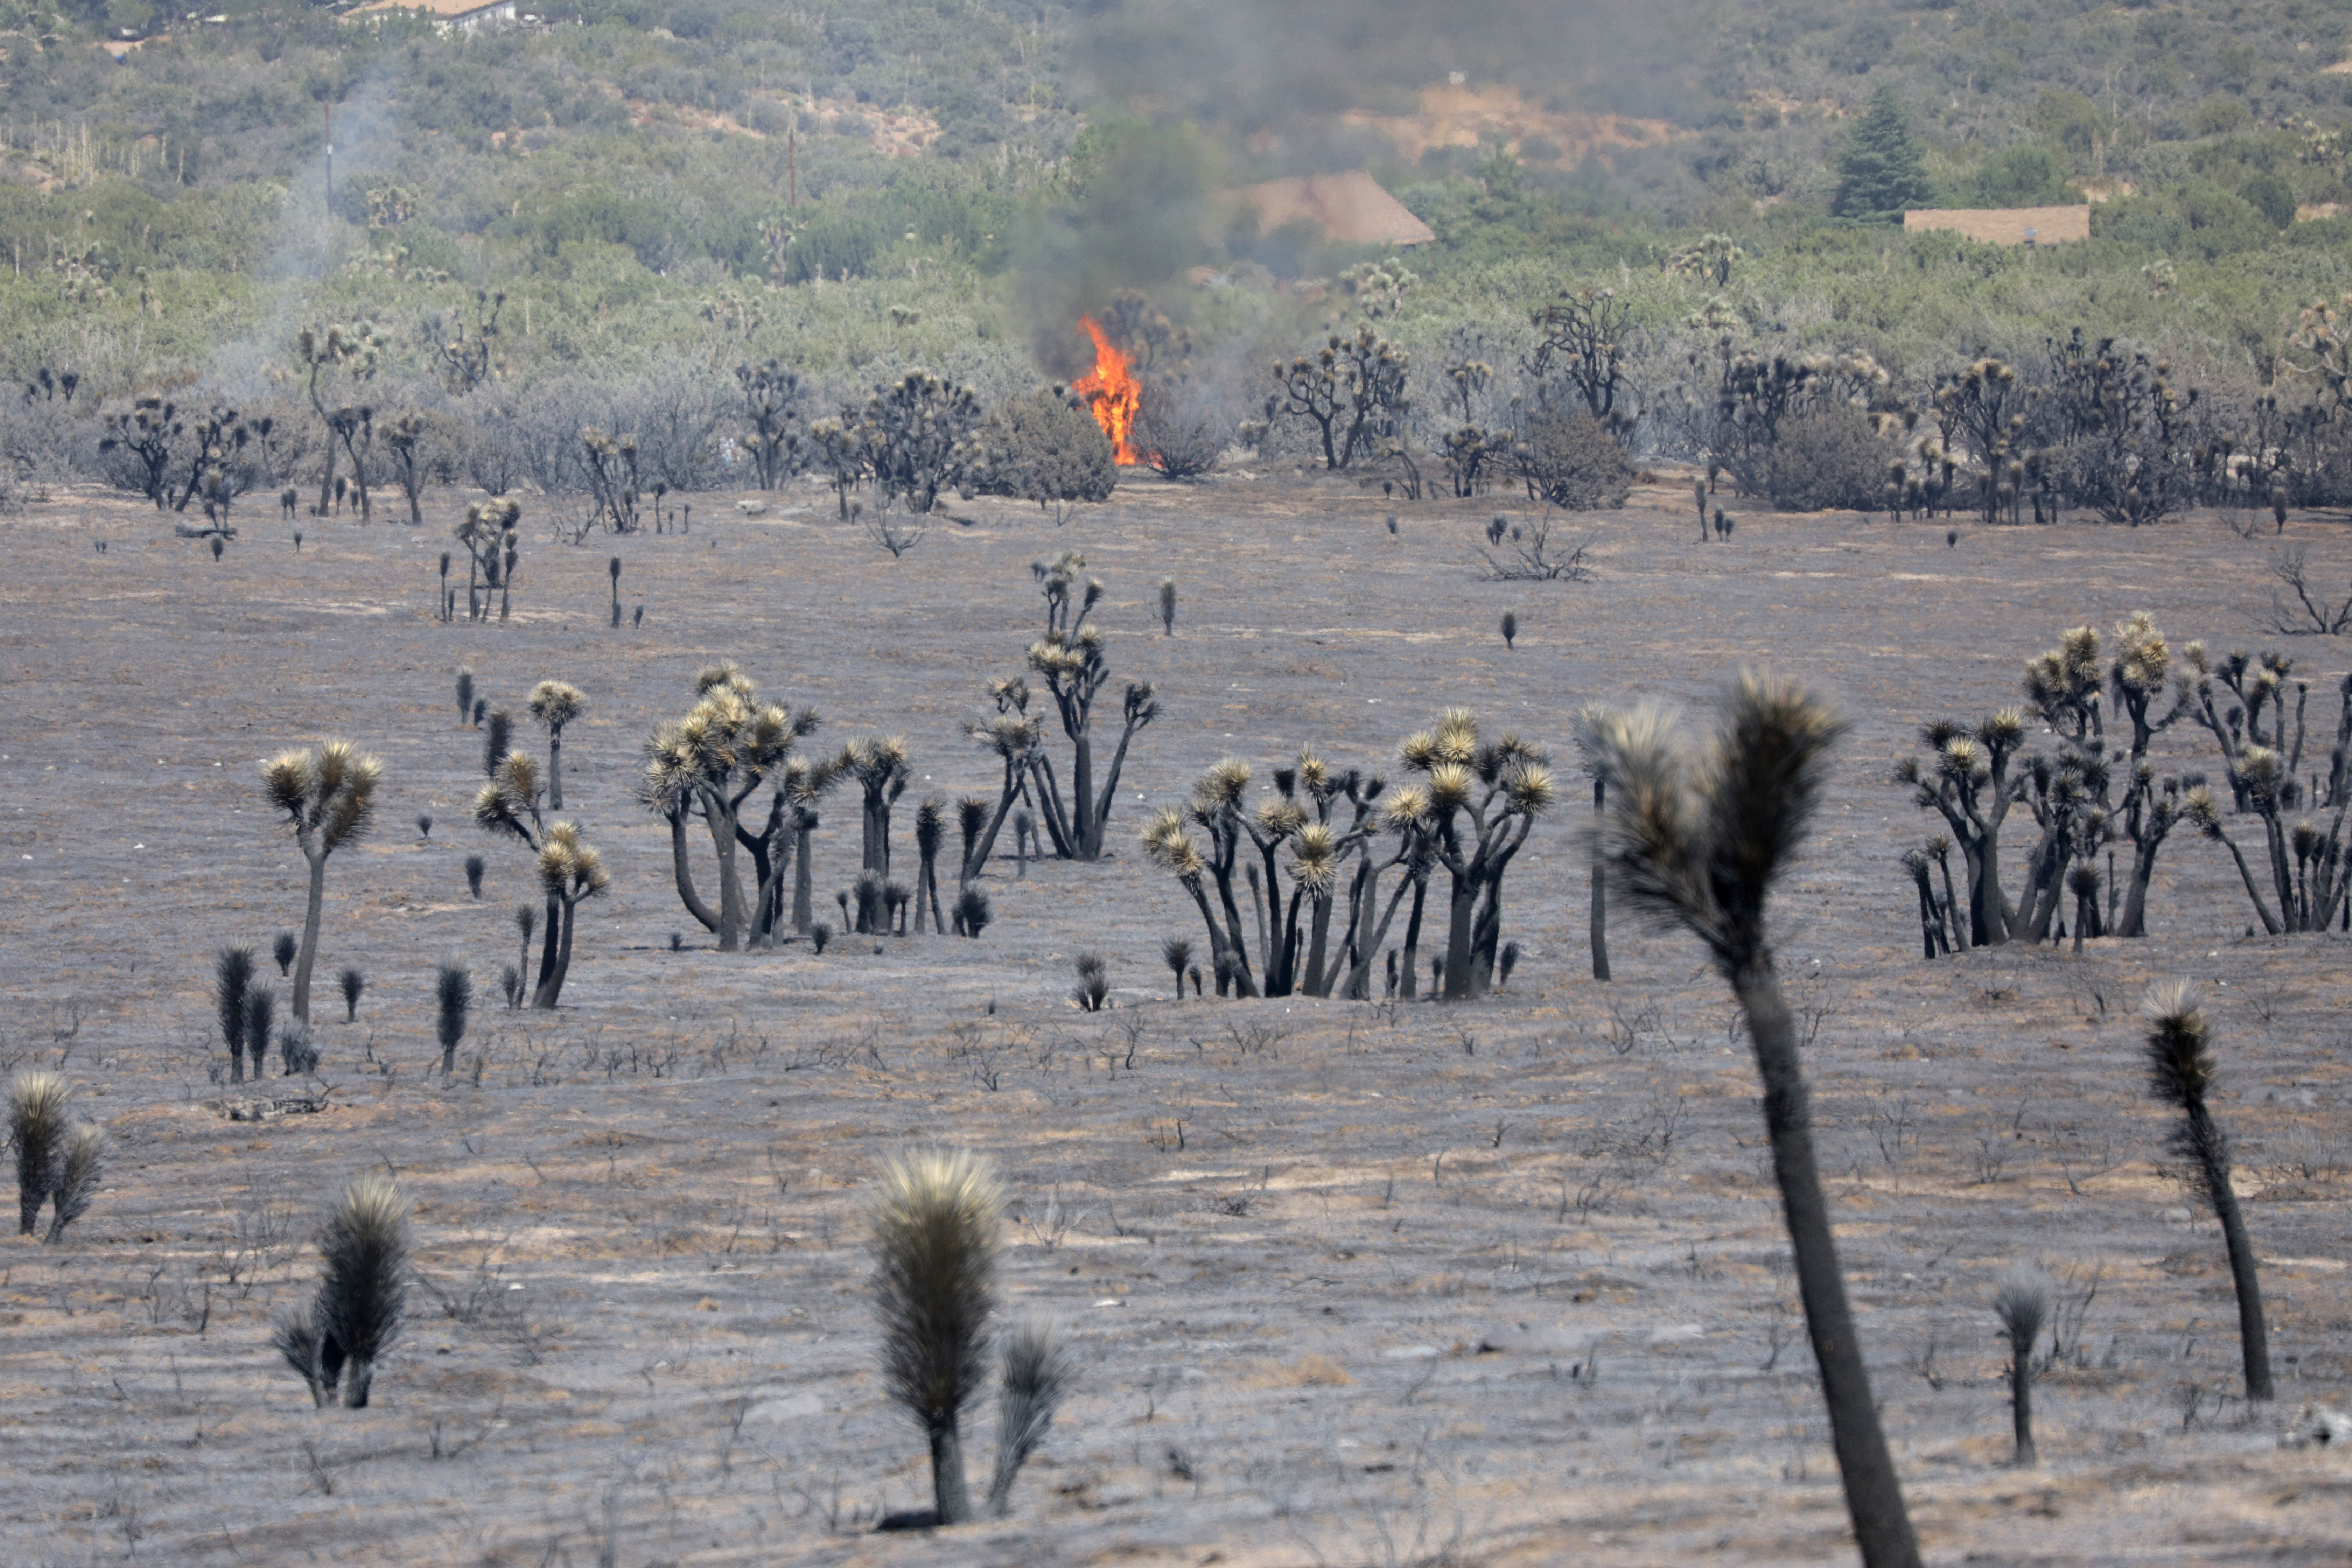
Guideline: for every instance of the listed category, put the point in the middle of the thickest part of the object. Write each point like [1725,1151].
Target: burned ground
[1349,1283]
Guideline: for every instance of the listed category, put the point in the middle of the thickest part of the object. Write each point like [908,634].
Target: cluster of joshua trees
[2095,797]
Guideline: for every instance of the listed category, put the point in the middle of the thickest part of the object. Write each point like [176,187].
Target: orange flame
[1112,393]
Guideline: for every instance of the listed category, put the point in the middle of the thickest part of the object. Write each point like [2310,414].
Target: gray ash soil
[1349,1284]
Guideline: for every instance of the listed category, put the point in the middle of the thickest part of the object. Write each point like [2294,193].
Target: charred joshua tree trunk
[1702,840]
[328,795]
[1600,865]
[931,827]
[1070,659]
[2182,1074]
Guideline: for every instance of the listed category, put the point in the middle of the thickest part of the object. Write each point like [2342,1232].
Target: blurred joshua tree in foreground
[934,1237]
[1698,839]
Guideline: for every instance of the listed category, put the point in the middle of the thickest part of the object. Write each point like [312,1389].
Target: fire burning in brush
[1112,395]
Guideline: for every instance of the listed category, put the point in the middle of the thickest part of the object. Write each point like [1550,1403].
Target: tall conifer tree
[1882,171]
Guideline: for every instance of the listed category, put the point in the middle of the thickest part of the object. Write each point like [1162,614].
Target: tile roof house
[2006,225]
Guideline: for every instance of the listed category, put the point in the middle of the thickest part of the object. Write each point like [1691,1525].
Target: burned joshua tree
[934,1235]
[2181,1072]
[1069,659]
[1352,390]
[556,703]
[60,1160]
[709,764]
[362,1301]
[2261,747]
[328,795]
[1698,840]
[232,978]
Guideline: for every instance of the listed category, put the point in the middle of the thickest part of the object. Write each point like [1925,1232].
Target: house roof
[1351,209]
[2007,225]
[447,10]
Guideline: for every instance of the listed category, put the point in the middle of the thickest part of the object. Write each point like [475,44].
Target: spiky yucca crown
[39,1104]
[370,1210]
[1166,843]
[328,790]
[2021,1300]
[877,761]
[1315,858]
[555,703]
[1457,765]
[2001,729]
[453,988]
[2180,1045]
[1057,660]
[569,867]
[2143,658]
[1699,839]
[728,741]
[508,803]
[1222,784]
[365,1246]
[1407,806]
[1011,736]
[930,823]
[723,675]
[933,1229]
[2068,675]
[85,1155]
[1280,815]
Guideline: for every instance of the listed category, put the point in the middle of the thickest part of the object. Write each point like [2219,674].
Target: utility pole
[329,108]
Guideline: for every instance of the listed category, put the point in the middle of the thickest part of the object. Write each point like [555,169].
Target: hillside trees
[1883,169]
[1351,389]
[772,406]
[355,353]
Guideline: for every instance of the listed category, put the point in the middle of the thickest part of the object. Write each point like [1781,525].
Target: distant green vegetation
[628,181]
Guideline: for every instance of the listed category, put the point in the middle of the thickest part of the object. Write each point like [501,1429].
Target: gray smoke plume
[1275,78]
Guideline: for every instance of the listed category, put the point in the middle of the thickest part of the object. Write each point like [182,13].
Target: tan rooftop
[447,10]
[2006,225]
[1351,209]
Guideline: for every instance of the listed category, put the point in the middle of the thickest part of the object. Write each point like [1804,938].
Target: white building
[449,16]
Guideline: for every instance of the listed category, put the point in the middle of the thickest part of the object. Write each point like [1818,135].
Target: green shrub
[2271,196]
[1574,462]
[1834,459]
[1047,449]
